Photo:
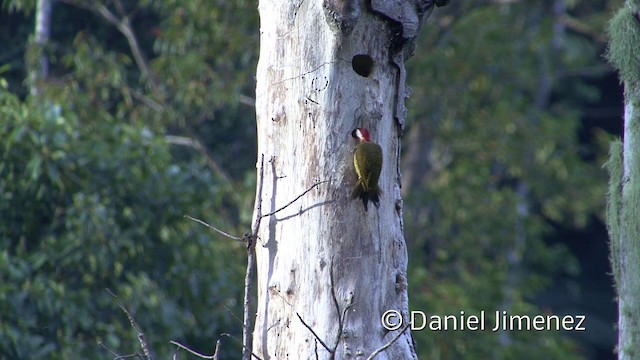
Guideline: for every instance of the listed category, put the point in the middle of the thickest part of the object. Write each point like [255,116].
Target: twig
[256,225]
[324,345]
[216,353]
[214,228]
[307,72]
[337,305]
[248,287]
[294,200]
[120,9]
[342,315]
[314,334]
[385,346]
[152,104]
[335,302]
[582,28]
[250,352]
[146,349]
[240,343]
[203,356]
[115,354]
[250,239]
[247,100]
[247,330]
[193,352]
[121,357]
[124,26]
[234,315]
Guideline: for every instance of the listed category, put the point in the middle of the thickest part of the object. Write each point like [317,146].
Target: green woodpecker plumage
[367,158]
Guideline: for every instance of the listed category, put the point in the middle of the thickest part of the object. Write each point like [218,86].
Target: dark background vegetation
[512,107]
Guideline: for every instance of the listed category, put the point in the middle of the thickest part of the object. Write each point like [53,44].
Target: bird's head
[361,134]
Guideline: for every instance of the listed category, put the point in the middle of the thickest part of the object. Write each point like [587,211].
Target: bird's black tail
[366,196]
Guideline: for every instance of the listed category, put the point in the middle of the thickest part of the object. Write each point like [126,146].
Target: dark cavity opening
[362,64]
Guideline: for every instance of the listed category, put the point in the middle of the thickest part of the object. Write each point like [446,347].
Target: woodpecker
[367,159]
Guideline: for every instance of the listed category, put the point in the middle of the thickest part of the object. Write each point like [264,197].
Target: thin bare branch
[124,26]
[307,72]
[239,342]
[216,353]
[117,356]
[337,305]
[233,315]
[149,102]
[251,239]
[124,357]
[582,28]
[387,345]
[297,197]
[102,345]
[146,349]
[314,334]
[256,225]
[342,315]
[214,228]
[324,345]
[248,290]
[247,100]
[193,352]
[120,8]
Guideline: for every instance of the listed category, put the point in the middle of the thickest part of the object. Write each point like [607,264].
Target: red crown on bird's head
[361,134]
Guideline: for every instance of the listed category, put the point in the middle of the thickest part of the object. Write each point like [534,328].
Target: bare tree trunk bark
[629,255]
[40,70]
[623,212]
[623,208]
[327,270]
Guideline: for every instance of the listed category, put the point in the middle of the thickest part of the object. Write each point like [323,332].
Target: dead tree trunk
[328,270]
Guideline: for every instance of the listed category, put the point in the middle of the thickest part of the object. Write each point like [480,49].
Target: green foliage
[624,47]
[92,206]
[207,53]
[93,197]
[189,38]
[504,163]
[19,5]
